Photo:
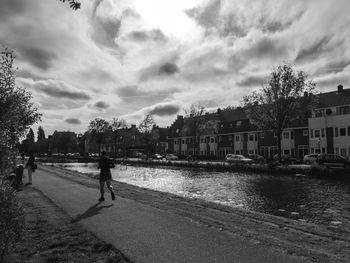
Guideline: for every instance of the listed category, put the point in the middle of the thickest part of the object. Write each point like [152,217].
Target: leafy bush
[11,219]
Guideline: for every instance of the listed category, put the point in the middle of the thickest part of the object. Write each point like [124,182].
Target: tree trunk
[279,138]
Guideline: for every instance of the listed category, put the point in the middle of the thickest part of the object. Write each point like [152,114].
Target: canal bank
[313,242]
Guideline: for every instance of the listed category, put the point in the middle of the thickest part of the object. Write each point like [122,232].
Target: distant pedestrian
[31,166]
[22,156]
[105,164]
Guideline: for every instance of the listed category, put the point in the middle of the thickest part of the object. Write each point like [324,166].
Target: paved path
[147,234]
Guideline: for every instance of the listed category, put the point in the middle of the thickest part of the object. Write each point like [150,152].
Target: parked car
[286,159]
[157,156]
[310,158]
[257,158]
[333,160]
[171,157]
[236,158]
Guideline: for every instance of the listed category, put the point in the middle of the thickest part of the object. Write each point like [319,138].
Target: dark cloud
[38,57]
[145,35]
[105,30]
[165,110]
[207,16]
[266,48]
[329,83]
[168,69]
[159,70]
[101,105]
[252,81]
[279,24]
[205,74]
[333,67]
[96,74]
[133,94]
[129,12]
[314,50]
[59,89]
[10,8]
[73,121]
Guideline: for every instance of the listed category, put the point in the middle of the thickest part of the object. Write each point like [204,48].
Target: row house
[327,130]
[329,125]
[236,134]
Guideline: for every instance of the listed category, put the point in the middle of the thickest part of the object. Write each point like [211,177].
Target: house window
[336,132]
[312,150]
[212,140]
[237,152]
[262,135]
[251,137]
[237,138]
[202,140]
[322,132]
[317,134]
[229,138]
[286,152]
[349,134]
[183,141]
[343,152]
[239,123]
[343,110]
[319,113]
[342,131]
[292,135]
[286,135]
[220,138]
[311,133]
[337,150]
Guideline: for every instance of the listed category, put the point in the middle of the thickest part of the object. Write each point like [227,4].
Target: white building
[329,126]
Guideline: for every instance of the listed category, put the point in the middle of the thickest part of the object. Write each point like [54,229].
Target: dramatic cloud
[55,89]
[128,58]
[73,121]
[158,70]
[135,95]
[253,81]
[37,56]
[141,36]
[165,110]
[101,105]
[105,27]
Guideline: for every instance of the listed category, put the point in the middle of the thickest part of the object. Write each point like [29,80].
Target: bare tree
[145,127]
[194,123]
[116,126]
[97,128]
[287,98]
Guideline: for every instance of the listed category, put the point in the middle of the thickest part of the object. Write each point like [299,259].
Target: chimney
[340,89]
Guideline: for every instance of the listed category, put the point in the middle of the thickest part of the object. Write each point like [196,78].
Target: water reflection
[310,199]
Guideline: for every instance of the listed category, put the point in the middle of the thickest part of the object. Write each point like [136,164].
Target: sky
[128,58]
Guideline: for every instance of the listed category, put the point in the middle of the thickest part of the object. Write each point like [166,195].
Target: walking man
[30,167]
[105,164]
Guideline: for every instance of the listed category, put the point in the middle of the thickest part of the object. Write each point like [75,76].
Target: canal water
[322,201]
